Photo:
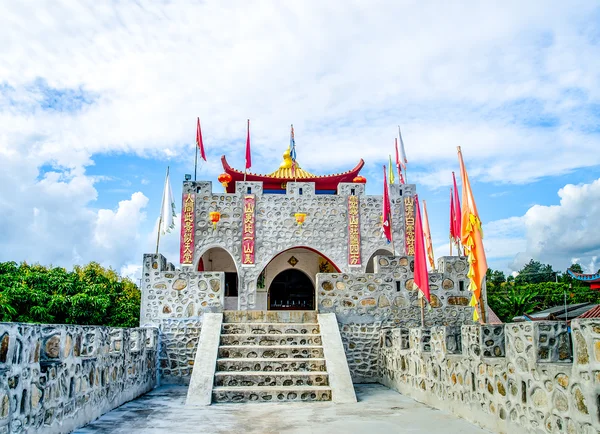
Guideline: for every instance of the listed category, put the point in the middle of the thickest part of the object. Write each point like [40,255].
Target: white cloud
[131,79]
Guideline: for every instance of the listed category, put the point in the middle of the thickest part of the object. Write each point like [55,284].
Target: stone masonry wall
[171,293]
[324,230]
[517,378]
[178,343]
[55,378]
[365,304]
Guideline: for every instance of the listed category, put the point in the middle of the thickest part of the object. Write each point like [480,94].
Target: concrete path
[379,410]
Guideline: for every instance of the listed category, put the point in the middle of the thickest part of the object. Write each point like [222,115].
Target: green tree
[535,272]
[89,294]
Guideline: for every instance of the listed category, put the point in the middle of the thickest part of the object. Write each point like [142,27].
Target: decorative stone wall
[178,343]
[365,304]
[517,378]
[171,293]
[55,378]
[325,228]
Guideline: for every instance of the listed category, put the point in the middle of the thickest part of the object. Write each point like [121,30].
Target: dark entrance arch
[291,290]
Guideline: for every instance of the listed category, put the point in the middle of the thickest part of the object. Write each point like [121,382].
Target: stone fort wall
[55,378]
[365,304]
[324,230]
[517,378]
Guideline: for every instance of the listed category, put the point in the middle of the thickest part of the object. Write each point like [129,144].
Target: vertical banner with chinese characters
[186,248]
[353,231]
[409,225]
[248,230]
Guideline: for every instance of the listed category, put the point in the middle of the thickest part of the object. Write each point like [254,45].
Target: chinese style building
[592,279]
[292,247]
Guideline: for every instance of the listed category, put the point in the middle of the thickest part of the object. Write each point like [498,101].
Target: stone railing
[517,378]
[55,378]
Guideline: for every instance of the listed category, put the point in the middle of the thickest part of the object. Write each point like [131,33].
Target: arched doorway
[219,259]
[291,290]
[371,263]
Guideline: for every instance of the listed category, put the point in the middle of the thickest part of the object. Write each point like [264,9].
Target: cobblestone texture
[531,387]
[54,378]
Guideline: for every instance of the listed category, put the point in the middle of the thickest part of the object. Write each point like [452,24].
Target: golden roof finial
[287,160]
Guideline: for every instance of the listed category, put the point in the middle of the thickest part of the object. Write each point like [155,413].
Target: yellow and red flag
[472,239]
[427,235]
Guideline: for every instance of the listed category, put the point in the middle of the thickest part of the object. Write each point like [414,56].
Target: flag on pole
[472,239]
[391,172]
[453,235]
[398,167]
[386,219]
[427,235]
[421,276]
[403,159]
[248,155]
[167,208]
[457,213]
[293,150]
[199,142]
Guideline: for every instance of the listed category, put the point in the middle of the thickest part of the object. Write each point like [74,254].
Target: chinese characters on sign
[248,230]
[409,225]
[353,231]
[186,249]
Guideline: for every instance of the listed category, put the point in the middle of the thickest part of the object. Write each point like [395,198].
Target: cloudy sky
[98,98]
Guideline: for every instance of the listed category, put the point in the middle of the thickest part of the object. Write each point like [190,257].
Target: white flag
[403,159]
[167,209]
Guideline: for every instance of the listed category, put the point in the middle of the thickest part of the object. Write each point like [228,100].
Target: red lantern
[360,180]
[224,179]
[215,216]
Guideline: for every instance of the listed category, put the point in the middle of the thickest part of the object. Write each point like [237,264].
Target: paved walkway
[379,410]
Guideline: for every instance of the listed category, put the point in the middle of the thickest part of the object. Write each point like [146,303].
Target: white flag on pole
[403,159]
[167,210]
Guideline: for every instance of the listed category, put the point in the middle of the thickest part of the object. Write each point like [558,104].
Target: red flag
[457,212]
[386,220]
[199,141]
[248,155]
[400,177]
[453,234]
[421,276]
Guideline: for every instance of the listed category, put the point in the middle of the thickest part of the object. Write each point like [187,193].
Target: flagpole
[196,163]
[162,203]
[422,309]
[391,225]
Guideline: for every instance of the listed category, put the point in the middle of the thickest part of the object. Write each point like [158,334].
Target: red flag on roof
[453,235]
[248,155]
[386,219]
[199,142]
[421,275]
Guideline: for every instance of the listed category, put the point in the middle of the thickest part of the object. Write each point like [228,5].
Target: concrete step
[262,379]
[271,394]
[270,339]
[270,328]
[270,351]
[270,316]
[271,365]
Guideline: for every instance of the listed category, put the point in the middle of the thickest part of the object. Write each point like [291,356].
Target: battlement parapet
[518,377]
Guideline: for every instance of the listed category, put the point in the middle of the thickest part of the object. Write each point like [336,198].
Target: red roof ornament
[359,180]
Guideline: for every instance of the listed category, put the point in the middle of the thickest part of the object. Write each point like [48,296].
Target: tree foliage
[536,287]
[88,295]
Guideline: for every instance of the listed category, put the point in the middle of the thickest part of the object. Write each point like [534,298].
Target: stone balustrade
[517,378]
[55,378]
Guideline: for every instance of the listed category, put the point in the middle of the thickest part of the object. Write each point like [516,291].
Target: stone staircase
[270,356]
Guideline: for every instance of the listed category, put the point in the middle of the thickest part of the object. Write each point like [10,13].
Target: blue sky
[93,109]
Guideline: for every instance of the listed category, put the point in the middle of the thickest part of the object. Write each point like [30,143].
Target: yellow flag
[427,234]
[472,236]
[391,176]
